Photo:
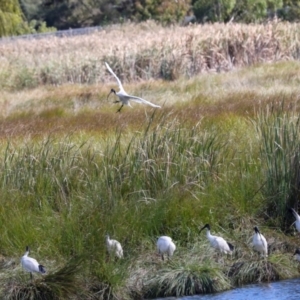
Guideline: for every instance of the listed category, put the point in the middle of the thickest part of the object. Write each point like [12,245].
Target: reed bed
[280,148]
[145,51]
[62,195]
[222,150]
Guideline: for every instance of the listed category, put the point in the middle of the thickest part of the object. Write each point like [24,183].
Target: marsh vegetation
[223,150]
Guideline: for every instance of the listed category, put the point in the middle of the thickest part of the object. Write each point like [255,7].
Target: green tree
[10,17]
[275,4]
[65,14]
[213,10]
[34,21]
[165,11]
[290,10]
[274,7]
[250,10]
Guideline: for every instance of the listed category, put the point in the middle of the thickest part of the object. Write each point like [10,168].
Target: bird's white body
[297,254]
[114,247]
[297,257]
[297,221]
[30,264]
[123,96]
[165,245]
[218,242]
[260,243]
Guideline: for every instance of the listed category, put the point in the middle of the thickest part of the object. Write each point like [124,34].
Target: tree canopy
[27,16]
[10,17]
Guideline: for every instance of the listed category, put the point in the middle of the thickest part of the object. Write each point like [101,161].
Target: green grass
[257,270]
[178,279]
[222,154]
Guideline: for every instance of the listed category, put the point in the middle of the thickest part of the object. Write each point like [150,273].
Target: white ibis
[218,242]
[297,217]
[113,247]
[123,96]
[297,253]
[165,245]
[259,242]
[30,264]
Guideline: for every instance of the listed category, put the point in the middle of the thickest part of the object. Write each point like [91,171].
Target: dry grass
[58,284]
[145,51]
[85,108]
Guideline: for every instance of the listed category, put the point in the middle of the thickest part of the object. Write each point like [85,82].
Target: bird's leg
[31,277]
[119,110]
[223,259]
[162,257]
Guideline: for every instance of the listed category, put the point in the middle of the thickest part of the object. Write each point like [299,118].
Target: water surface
[281,290]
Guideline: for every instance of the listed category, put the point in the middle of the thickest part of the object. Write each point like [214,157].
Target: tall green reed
[279,131]
[95,183]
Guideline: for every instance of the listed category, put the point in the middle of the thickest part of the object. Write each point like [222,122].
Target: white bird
[297,253]
[30,264]
[218,242]
[297,222]
[165,245]
[113,247]
[259,242]
[123,96]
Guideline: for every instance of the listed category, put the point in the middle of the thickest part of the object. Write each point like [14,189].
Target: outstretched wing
[118,80]
[141,100]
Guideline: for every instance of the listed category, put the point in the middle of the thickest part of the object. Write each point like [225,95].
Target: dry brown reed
[84,108]
[144,51]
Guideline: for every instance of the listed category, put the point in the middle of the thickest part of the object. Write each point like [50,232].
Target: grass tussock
[108,280]
[253,271]
[276,267]
[60,284]
[37,290]
[176,279]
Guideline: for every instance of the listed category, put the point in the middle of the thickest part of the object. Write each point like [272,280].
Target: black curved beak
[202,228]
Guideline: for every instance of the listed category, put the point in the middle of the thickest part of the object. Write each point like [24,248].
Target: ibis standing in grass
[165,245]
[218,242]
[114,248]
[297,217]
[259,242]
[30,264]
[297,254]
[124,98]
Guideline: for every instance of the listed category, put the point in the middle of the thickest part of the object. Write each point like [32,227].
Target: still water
[281,290]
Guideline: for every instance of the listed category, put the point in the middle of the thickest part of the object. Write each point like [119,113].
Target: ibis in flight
[124,98]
